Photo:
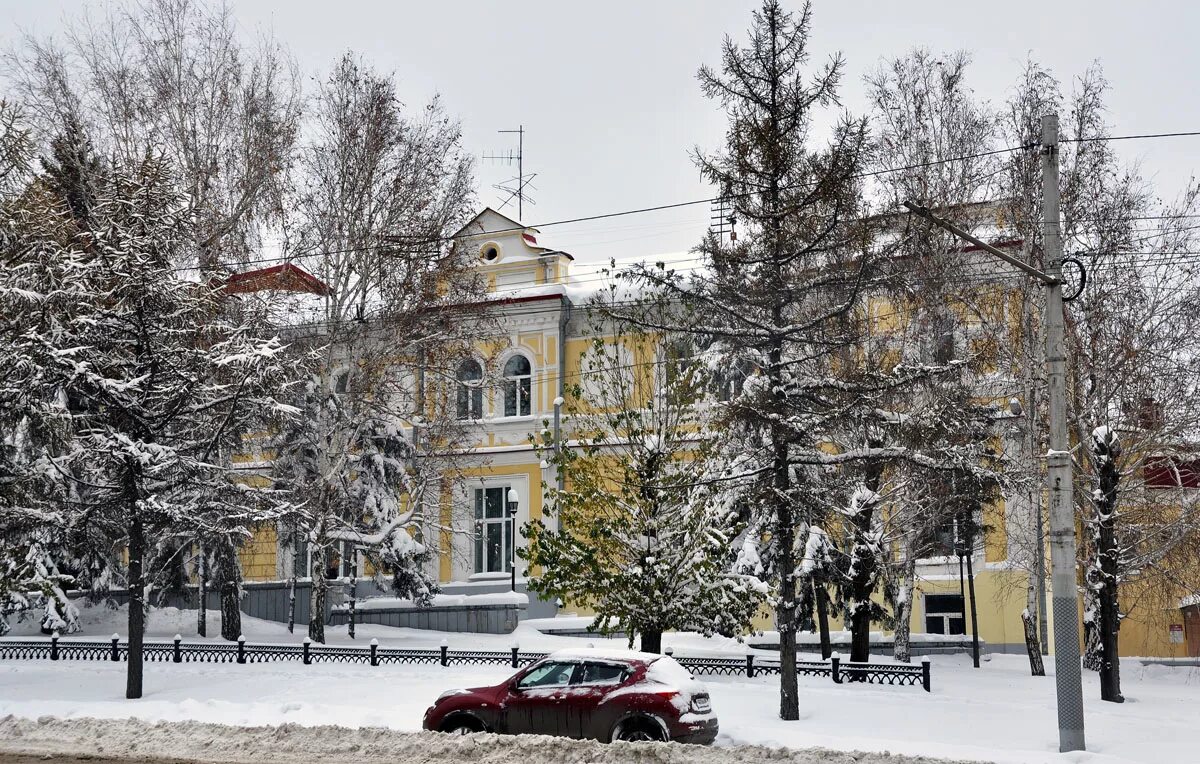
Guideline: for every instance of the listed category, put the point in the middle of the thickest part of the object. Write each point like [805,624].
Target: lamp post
[514,502]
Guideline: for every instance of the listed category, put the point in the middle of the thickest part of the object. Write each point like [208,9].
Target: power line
[1141,136]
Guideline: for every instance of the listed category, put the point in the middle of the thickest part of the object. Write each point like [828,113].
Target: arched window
[518,386]
[469,378]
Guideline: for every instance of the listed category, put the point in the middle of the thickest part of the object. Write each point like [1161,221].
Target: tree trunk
[860,632]
[291,604]
[350,616]
[229,575]
[1093,658]
[901,648]
[785,612]
[1032,645]
[201,594]
[316,607]
[231,614]
[137,607]
[292,583]
[822,597]
[652,640]
[1110,616]
[865,564]
[971,596]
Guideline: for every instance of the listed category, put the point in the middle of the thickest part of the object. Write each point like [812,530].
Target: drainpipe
[564,318]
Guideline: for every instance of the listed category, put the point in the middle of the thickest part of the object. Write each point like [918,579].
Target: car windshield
[549,674]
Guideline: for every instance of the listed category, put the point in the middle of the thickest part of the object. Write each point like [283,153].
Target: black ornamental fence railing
[307,653]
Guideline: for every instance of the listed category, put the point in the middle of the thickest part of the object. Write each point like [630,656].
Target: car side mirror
[515,687]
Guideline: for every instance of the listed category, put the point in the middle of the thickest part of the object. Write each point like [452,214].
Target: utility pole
[1067,672]
[1068,678]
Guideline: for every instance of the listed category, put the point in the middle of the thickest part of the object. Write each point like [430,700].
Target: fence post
[115,656]
[241,648]
[750,666]
[178,658]
[925,673]
[54,646]
[374,652]
[307,658]
[835,664]
[444,647]
[515,648]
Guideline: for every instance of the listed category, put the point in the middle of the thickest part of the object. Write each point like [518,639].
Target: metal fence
[177,651]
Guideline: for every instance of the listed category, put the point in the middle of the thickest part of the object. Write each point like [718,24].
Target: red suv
[600,694]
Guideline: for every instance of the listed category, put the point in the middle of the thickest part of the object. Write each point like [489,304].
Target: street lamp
[514,503]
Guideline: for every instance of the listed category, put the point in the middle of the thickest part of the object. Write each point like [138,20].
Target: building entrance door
[1191,627]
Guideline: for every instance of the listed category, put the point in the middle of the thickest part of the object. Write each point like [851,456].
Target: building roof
[513,224]
[285,277]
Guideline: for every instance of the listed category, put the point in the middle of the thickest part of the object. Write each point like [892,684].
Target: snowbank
[441,600]
[291,743]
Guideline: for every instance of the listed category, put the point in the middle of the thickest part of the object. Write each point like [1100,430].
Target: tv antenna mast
[722,218]
[514,187]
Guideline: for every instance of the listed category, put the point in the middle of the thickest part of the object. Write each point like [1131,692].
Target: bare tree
[174,76]
[379,194]
[1132,354]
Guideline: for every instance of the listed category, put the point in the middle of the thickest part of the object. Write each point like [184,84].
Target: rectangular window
[493,531]
[944,614]
[470,401]
[517,397]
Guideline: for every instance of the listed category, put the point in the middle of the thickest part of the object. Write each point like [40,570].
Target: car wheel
[461,725]
[639,731]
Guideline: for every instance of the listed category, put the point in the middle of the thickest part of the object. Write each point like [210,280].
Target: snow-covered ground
[996,713]
[130,741]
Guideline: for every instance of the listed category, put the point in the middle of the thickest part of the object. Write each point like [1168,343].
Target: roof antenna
[522,181]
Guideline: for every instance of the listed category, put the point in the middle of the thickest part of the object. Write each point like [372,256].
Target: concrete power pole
[1068,674]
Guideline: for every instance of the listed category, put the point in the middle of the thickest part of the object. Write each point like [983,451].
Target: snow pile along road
[290,743]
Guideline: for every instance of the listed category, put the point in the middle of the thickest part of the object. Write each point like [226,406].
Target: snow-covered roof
[603,653]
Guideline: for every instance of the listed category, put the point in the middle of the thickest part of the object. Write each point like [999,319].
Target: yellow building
[514,387]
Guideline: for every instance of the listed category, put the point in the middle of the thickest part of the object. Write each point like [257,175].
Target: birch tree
[380,192]
[1131,356]
[175,76]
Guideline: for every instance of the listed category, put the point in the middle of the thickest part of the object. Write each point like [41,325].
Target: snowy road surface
[131,740]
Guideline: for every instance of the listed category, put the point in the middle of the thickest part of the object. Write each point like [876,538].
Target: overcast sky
[608,96]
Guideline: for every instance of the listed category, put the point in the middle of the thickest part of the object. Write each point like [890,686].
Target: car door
[586,716]
[535,704]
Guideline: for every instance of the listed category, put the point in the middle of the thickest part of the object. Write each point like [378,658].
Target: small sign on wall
[1176,631]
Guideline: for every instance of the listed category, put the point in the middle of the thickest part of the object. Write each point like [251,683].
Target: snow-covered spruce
[137,379]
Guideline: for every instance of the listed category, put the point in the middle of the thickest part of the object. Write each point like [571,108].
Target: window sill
[494,576]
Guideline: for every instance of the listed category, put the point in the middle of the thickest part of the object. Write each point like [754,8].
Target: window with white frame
[944,614]
[493,530]
[341,382]
[518,386]
[469,384]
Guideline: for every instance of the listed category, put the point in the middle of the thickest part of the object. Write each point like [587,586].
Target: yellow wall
[258,555]
[532,471]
